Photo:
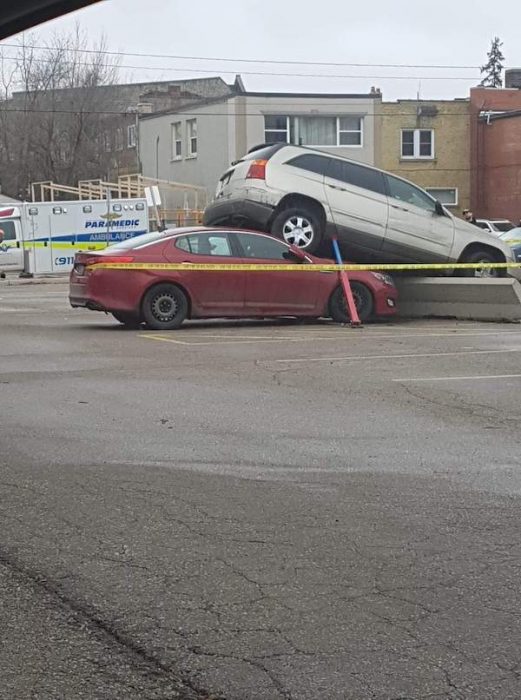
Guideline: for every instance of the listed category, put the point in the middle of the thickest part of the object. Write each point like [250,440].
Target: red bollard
[348,292]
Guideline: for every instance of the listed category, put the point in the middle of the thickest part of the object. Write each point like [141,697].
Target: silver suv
[305,196]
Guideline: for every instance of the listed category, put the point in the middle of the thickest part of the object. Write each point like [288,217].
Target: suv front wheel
[299,226]
[482,256]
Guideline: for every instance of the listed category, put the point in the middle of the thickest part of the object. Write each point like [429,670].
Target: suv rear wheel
[300,226]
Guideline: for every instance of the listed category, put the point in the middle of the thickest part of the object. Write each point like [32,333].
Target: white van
[43,237]
[495,226]
[305,196]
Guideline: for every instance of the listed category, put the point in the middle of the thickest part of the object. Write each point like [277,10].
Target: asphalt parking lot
[257,510]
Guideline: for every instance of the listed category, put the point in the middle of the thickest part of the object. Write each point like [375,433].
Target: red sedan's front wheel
[363,302]
[164,307]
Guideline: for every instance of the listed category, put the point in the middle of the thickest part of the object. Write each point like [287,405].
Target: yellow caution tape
[61,245]
[351,267]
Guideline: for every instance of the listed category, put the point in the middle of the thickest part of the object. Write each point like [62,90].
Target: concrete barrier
[460,297]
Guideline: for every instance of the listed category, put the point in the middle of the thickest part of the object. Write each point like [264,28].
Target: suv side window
[205,244]
[261,247]
[357,175]
[311,162]
[409,194]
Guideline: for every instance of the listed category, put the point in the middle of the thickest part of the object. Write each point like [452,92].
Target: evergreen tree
[493,69]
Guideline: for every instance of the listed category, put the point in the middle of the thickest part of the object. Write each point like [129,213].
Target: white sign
[153,196]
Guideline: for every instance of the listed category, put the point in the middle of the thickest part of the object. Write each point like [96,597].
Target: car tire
[165,307]
[478,256]
[301,226]
[127,318]
[363,301]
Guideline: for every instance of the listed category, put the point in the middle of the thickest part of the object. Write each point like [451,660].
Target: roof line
[325,95]
[194,104]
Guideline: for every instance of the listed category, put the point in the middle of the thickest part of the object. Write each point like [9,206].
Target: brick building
[496,152]
[427,142]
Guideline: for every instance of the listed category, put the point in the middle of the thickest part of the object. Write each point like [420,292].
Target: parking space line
[164,340]
[301,337]
[348,358]
[458,379]
[230,342]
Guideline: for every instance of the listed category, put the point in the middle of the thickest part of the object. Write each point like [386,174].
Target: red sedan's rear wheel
[164,307]
[363,302]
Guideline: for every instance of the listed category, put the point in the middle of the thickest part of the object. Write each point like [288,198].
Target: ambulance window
[9,230]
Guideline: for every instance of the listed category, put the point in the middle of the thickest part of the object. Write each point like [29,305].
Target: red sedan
[163,299]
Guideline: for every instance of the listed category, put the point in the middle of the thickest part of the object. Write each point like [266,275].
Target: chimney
[513,78]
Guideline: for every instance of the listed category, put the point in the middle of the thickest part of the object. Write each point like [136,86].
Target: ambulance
[42,237]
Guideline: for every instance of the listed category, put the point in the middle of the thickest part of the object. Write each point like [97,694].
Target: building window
[191,132]
[107,145]
[119,139]
[131,136]
[276,129]
[448,196]
[177,141]
[350,131]
[417,143]
[314,131]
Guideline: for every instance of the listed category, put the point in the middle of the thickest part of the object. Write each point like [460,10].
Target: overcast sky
[446,32]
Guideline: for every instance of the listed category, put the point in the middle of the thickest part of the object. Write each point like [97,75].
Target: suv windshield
[502,225]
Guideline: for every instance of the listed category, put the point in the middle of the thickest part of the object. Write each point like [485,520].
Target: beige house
[428,142]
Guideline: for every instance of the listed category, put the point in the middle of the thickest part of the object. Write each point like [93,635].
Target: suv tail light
[257,170]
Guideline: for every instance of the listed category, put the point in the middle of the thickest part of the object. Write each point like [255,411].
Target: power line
[267,73]
[245,60]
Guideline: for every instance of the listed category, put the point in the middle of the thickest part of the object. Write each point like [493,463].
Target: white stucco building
[195,145]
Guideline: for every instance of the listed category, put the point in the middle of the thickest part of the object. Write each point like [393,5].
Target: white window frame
[189,137]
[432,191]
[131,136]
[350,131]
[177,139]
[278,131]
[293,121]
[416,148]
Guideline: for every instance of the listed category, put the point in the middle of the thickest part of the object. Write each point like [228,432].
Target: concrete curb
[462,298]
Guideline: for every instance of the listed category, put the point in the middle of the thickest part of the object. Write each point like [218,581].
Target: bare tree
[54,110]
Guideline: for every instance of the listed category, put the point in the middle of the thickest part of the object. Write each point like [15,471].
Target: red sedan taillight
[91,260]
[85,262]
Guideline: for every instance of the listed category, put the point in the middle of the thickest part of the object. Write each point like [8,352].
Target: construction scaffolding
[182,204]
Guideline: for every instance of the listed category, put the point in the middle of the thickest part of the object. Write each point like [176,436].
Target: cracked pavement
[221,522]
